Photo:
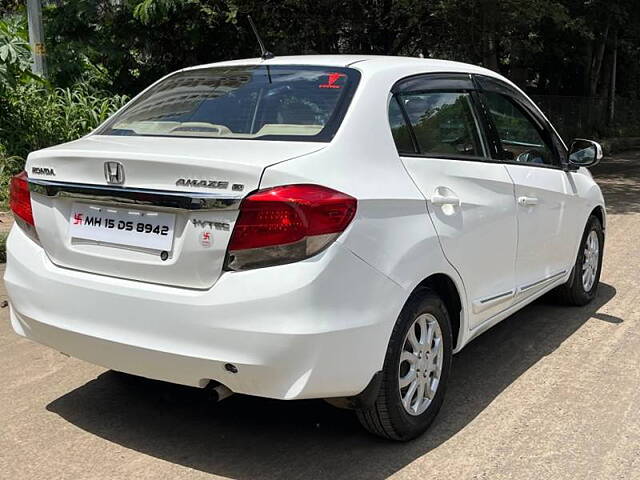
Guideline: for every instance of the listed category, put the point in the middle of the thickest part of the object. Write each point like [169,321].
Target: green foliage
[14,48]
[138,41]
[33,114]
[150,10]
[34,117]
[9,166]
[15,54]
[98,48]
[38,118]
[10,7]
[3,247]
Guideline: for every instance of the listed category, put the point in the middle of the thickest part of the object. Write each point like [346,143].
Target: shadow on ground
[619,179]
[245,437]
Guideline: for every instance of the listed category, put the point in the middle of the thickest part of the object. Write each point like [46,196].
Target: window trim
[398,86]
[446,156]
[396,90]
[524,106]
[479,159]
[487,131]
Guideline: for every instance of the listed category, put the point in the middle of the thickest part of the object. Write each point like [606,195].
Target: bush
[3,247]
[33,117]
[9,166]
[15,53]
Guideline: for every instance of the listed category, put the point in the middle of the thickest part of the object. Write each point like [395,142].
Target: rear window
[249,102]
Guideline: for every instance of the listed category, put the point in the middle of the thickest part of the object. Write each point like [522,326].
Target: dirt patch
[6,221]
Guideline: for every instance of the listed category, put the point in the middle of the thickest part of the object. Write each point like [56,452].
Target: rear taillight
[286,224]
[20,198]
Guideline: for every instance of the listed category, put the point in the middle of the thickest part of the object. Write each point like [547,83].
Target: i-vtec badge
[190,182]
[210,224]
[49,172]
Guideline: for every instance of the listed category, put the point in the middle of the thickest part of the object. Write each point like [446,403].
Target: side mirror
[584,153]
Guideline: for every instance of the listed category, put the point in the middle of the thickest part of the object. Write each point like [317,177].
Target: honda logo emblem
[114,173]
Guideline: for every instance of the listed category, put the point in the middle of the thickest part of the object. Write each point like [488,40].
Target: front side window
[520,139]
[443,123]
[247,102]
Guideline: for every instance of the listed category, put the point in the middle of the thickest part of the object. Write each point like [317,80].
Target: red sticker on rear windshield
[331,82]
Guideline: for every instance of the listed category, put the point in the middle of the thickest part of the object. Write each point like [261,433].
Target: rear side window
[399,128]
[249,102]
[443,123]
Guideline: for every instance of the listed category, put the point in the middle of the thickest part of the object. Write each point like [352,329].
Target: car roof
[365,63]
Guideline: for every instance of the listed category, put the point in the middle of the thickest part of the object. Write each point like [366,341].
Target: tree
[15,53]
[546,46]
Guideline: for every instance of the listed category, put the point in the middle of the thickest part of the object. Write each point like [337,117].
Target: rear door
[546,197]
[470,200]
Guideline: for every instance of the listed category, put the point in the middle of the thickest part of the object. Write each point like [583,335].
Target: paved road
[550,393]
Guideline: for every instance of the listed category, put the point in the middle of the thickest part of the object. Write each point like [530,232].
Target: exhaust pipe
[218,391]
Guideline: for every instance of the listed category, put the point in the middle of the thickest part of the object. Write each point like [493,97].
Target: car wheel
[415,372]
[582,285]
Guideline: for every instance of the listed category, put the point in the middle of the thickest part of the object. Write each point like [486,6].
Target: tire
[388,417]
[576,292]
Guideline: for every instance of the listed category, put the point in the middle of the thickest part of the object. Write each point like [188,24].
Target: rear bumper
[312,329]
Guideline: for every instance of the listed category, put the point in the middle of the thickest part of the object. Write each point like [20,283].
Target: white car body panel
[314,328]
[154,164]
[288,338]
[479,235]
[154,160]
[545,225]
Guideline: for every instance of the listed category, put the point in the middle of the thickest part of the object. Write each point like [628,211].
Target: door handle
[444,200]
[527,201]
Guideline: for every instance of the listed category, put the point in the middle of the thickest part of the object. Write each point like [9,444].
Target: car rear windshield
[249,102]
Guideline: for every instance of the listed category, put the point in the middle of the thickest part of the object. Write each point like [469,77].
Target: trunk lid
[192,184]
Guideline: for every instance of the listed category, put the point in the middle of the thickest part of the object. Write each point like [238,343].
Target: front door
[545,196]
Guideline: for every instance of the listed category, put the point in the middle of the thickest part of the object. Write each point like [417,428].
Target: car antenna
[265,54]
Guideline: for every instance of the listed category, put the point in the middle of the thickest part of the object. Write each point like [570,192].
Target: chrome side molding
[541,283]
[125,196]
[523,291]
[485,303]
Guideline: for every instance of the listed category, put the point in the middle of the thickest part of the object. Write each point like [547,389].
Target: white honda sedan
[304,227]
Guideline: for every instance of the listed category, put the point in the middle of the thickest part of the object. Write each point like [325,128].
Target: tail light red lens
[286,224]
[20,198]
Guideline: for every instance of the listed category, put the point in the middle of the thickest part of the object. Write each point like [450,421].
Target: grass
[3,247]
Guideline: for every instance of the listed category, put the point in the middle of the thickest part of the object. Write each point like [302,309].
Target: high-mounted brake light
[20,198]
[286,224]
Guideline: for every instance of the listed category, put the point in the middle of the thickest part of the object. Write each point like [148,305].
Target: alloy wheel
[591,260]
[421,362]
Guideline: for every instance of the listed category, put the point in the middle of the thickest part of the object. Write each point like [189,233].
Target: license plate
[122,226]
